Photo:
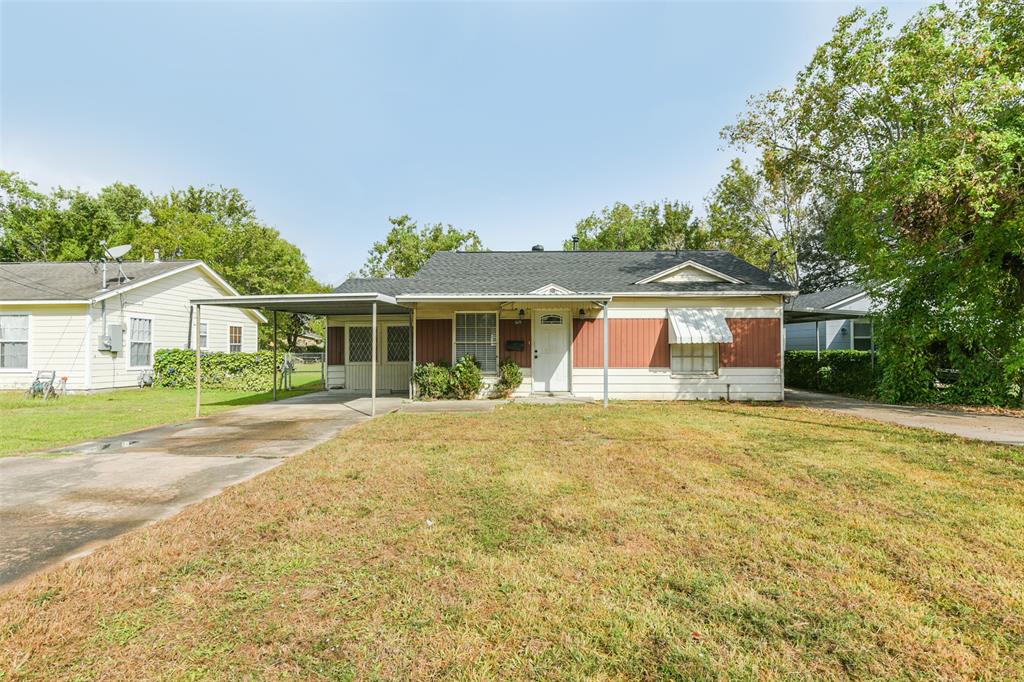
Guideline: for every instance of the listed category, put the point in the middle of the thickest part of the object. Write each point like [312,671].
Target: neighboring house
[61,317]
[681,325]
[838,333]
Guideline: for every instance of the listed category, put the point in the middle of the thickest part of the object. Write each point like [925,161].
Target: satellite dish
[118,252]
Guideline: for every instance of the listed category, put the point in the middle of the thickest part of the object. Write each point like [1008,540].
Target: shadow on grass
[872,427]
[266,396]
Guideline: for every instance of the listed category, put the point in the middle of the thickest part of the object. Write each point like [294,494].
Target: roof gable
[553,289]
[690,271]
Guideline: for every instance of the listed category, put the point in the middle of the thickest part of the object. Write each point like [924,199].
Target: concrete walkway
[63,504]
[994,428]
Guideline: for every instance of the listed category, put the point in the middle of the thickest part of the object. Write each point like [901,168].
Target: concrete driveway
[994,428]
[62,504]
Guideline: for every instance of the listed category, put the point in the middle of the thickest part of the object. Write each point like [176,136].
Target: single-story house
[838,316]
[100,325]
[663,325]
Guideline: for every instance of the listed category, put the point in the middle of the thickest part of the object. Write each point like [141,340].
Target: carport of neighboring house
[373,342]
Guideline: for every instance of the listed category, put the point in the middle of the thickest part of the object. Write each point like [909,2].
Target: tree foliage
[408,246]
[642,226]
[217,225]
[916,138]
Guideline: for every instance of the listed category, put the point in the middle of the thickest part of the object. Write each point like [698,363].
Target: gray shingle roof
[373,285]
[823,299]
[593,272]
[47,281]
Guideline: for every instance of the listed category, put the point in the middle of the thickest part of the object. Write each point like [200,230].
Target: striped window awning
[698,325]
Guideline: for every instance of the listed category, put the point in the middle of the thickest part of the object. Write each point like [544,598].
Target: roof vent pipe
[575,242]
[538,247]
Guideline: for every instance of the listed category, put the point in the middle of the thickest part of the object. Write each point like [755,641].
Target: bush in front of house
[510,377]
[467,379]
[176,368]
[433,380]
[838,371]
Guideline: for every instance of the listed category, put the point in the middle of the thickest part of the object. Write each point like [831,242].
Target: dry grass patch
[646,541]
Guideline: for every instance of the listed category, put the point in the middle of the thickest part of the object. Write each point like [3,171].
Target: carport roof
[313,304]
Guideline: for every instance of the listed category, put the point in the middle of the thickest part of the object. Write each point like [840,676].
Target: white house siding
[739,383]
[166,301]
[800,335]
[56,342]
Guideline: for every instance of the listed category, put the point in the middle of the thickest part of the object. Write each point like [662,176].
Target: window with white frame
[694,358]
[360,344]
[234,339]
[204,336]
[861,335]
[140,342]
[398,339]
[14,341]
[476,334]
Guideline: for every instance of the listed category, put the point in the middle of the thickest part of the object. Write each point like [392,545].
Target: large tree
[763,216]
[215,224]
[656,225]
[407,247]
[916,137]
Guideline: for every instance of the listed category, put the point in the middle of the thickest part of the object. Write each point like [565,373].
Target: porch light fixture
[583,314]
[522,314]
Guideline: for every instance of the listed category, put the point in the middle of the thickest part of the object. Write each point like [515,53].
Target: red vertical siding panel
[631,343]
[756,342]
[508,330]
[335,345]
[433,341]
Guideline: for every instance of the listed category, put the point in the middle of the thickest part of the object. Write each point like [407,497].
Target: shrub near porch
[646,541]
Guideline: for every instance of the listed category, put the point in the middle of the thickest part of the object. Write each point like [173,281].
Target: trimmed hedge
[838,371]
[175,367]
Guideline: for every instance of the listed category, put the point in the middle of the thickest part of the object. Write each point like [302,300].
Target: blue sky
[513,119]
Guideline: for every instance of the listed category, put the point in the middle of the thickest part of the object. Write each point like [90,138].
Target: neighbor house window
[398,344]
[360,344]
[694,358]
[13,341]
[204,336]
[234,339]
[140,342]
[476,334]
[862,336]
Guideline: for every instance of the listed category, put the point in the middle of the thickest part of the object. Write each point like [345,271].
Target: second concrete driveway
[995,428]
[62,504]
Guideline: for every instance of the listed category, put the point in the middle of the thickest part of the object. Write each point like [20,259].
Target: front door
[551,351]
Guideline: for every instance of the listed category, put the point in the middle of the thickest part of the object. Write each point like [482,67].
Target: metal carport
[311,304]
[818,315]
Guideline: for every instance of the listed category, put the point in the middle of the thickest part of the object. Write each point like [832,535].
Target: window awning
[697,325]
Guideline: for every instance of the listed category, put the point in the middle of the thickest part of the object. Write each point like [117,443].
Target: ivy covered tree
[916,138]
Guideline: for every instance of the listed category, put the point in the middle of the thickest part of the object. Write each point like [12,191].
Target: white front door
[551,351]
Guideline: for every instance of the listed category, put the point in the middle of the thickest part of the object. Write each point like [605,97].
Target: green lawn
[31,425]
[646,541]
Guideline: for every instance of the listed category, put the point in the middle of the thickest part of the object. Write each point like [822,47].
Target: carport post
[275,355]
[373,360]
[817,339]
[605,345]
[412,357]
[199,365]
